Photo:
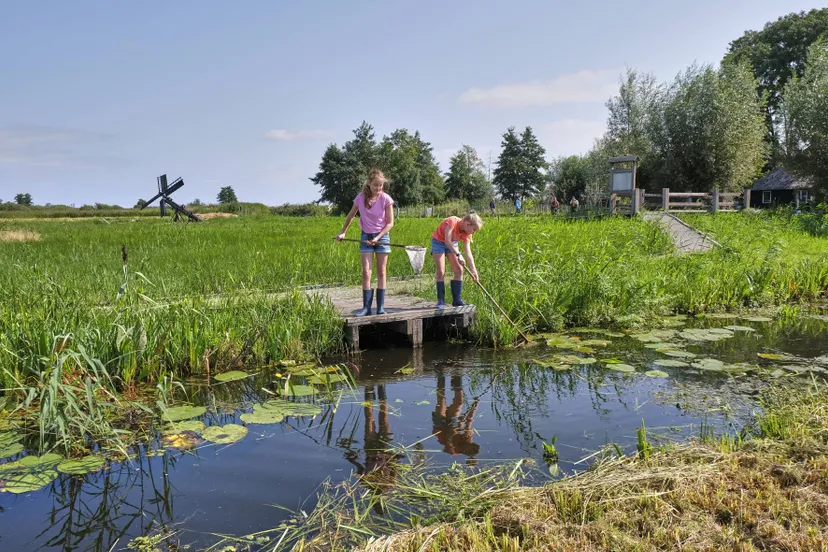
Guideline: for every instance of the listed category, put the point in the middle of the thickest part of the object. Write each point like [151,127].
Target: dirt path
[686,238]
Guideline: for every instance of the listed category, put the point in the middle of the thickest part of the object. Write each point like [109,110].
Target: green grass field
[61,290]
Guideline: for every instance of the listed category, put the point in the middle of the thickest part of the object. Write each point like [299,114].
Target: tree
[569,176]
[23,199]
[534,164]
[409,163]
[521,165]
[776,53]
[713,129]
[227,195]
[140,203]
[804,116]
[342,171]
[508,172]
[466,178]
[633,123]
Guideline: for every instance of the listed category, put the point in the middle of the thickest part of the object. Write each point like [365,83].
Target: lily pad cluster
[10,444]
[274,411]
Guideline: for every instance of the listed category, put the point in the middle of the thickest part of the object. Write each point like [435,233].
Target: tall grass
[226,291]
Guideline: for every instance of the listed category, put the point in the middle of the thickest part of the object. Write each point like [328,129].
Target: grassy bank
[766,489]
[225,291]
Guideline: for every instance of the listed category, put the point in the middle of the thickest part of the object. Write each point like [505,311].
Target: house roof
[780,179]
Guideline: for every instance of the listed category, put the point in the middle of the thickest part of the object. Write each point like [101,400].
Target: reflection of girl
[454,431]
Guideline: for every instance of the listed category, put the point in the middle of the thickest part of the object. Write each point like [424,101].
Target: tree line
[712,127]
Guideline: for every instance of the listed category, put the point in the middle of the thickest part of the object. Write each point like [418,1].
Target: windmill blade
[175,186]
[156,196]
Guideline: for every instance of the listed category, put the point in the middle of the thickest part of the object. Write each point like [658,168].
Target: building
[779,187]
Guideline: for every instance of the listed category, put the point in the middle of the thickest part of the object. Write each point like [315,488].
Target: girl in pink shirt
[376,218]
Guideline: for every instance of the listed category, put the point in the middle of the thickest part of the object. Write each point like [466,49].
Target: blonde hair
[375,174]
[474,219]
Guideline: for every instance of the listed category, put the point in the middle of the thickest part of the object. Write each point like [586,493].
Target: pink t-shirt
[373,220]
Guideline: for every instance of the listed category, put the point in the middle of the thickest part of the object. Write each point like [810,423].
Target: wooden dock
[404,314]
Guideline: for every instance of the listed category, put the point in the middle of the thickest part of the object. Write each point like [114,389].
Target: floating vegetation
[709,364]
[757,319]
[299,390]
[773,356]
[654,336]
[620,367]
[196,426]
[181,441]
[262,416]
[29,482]
[572,359]
[226,434]
[324,379]
[179,413]
[10,450]
[30,473]
[656,374]
[233,375]
[676,353]
[735,328]
[707,334]
[670,363]
[81,466]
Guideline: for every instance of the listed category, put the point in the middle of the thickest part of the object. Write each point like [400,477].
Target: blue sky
[98,98]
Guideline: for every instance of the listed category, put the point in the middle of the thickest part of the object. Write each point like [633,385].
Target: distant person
[492,207]
[573,204]
[444,242]
[517,206]
[555,204]
[376,218]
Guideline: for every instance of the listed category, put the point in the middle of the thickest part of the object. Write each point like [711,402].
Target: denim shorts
[381,247]
[440,247]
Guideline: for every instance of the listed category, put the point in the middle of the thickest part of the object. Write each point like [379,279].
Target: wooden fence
[681,202]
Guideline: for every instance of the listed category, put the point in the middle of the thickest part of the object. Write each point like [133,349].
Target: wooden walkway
[686,238]
[404,314]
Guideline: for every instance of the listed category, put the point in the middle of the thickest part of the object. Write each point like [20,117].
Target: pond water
[442,404]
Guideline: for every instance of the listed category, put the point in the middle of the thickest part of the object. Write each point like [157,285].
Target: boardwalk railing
[694,202]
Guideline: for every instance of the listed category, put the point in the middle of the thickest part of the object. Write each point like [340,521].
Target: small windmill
[164,193]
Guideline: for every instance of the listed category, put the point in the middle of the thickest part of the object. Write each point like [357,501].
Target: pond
[444,404]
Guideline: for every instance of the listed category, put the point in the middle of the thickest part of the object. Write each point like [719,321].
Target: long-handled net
[416,256]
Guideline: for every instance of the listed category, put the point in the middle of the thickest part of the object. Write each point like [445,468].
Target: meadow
[151,298]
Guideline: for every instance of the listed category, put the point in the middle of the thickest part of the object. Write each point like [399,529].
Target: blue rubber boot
[441,295]
[380,301]
[367,299]
[456,292]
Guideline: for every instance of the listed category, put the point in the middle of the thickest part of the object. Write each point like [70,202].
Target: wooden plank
[685,204]
[408,314]
[689,194]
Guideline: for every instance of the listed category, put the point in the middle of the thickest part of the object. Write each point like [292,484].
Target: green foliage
[520,167]
[300,210]
[407,161]
[23,199]
[776,54]
[712,136]
[466,178]
[227,195]
[804,115]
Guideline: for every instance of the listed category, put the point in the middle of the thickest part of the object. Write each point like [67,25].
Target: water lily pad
[286,363]
[301,409]
[10,450]
[735,328]
[572,359]
[772,356]
[708,334]
[611,361]
[80,466]
[181,441]
[196,426]
[675,353]
[179,413]
[718,315]
[673,323]
[233,375]
[562,367]
[656,374]
[9,437]
[304,369]
[332,378]
[595,343]
[654,336]
[30,482]
[710,364]
[621,368]
[299,390]
[757,319]
[670,363]
[663,345]
[225,434]
[263,414]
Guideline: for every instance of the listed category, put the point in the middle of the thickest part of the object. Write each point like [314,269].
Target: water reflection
[452,427]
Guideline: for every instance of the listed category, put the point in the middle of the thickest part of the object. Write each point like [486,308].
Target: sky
[98,98]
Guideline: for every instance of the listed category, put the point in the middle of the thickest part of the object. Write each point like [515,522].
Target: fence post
[612,204]
[634,202]
[714,206]
[747,199]
[665,199]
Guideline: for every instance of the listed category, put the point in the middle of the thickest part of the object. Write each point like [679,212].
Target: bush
[301,210]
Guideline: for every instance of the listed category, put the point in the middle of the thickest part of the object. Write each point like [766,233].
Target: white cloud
[581,87]
[569,136]
[282,135]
